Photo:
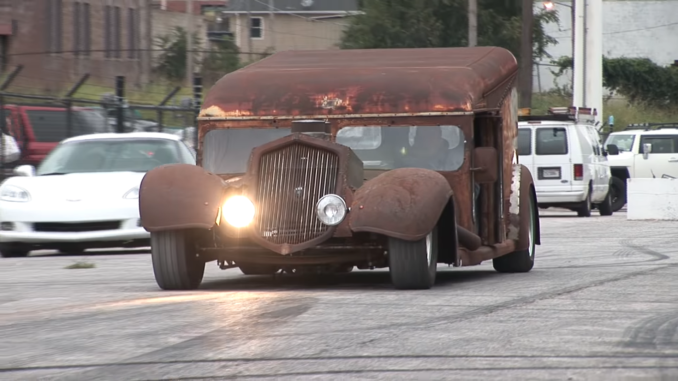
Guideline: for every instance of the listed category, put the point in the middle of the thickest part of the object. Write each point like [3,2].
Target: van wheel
[585,208]
[605,207]
[618,191]
[413,265]
[520,261]
[175,264]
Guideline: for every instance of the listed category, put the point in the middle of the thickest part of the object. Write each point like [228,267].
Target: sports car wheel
[175,263]
[413,265]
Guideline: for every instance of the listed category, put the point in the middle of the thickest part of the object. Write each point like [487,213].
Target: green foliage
[171,63]
[442,23]
[639,80]
[222,57]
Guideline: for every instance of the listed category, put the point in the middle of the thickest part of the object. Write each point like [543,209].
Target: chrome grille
[291,181]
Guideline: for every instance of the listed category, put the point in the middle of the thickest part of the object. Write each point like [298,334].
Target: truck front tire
[175,262]
[413,265]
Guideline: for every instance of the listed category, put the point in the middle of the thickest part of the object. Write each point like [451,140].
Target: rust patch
[179,196]
[403,203]
[364,81]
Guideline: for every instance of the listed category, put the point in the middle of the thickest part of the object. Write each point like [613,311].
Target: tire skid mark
[656,256]
[654,333]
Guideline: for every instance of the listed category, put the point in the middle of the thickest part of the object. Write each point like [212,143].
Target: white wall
[652,199]
[634,28]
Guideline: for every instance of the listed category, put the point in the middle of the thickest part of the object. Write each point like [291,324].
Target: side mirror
[647,148]
[485,166]
[25,170]
[612,149]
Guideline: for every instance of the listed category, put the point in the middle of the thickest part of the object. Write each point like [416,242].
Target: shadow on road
[355,280]
[52,253]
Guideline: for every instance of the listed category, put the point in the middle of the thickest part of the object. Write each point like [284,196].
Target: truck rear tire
[175,262]
[413,265]
[618,191]
[520,261]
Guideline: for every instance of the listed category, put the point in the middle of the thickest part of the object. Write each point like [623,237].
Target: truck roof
[338,83]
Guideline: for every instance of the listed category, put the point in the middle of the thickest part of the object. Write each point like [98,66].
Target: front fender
[403,203]
[179,196]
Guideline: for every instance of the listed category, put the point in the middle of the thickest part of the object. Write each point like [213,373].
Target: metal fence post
[163,103]
[120,95]
[69,104]
[197,102]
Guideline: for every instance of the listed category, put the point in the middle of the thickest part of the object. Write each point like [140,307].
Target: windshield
[434,147]
[51,125]
[439,148]
[111,155]
[623,141]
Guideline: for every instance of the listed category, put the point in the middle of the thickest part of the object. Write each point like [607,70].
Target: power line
[621,31]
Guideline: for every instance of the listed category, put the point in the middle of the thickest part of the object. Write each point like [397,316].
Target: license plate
[551,173]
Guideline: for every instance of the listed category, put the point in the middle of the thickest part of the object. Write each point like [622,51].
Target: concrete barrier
[652,199]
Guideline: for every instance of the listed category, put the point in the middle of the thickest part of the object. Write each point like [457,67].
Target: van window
[551,141]
[524,141]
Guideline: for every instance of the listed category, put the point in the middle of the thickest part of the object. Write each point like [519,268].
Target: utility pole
[578,53]
[472,23]
[525,72]
[189,43]
[249,30]
[271,28]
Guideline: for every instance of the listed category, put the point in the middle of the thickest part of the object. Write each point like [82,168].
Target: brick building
[57,41]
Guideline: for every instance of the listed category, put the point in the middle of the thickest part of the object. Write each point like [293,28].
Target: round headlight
[238,211]
[331,209]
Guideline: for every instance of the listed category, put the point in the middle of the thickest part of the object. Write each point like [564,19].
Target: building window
[107,31]
[133,33]
[257,30]
[53,39]
[81,29]
[117,43]
[86,30]
[77,28]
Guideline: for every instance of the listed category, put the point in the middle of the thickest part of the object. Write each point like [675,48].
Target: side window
[660,144]
[524,141]
[551,141]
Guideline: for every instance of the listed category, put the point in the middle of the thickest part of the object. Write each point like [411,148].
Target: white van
[565,155]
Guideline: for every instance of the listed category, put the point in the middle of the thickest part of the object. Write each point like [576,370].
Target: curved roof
[365,81]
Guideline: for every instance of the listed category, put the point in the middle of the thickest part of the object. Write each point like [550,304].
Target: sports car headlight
[131,194]
[238,211]
[331,209]
[14,194]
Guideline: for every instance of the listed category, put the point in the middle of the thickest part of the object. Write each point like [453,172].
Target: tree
[639,80]
[222,58]
[442,23]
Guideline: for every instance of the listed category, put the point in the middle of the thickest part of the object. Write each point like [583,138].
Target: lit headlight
[238,211]
[131,194]
[331,209]
[14,194]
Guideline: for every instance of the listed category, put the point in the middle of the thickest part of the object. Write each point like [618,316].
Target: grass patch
[623,112]
[80,265]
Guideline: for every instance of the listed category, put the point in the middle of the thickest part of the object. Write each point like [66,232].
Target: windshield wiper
[53,174]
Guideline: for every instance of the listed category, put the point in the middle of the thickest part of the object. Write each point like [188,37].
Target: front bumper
[19,222]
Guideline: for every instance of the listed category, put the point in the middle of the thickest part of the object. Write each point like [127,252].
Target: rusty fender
[179,196]
[522,190]
[404,203]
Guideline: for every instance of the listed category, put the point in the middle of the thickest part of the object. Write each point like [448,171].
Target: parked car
[565,155]
[365,164]
[642,150]
[84,194]
[38,129]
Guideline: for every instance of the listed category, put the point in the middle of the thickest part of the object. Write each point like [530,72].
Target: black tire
[605,207]
[175,264]
[520,261]
[585,208]
[410,265]
[13,252]
[618,191]
[255,269]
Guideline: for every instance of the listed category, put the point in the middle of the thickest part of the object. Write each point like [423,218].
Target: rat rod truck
[322,161]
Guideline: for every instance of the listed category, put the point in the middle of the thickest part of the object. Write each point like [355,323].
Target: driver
[429,151]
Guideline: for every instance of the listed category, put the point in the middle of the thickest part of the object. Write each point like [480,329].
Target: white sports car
[84,194]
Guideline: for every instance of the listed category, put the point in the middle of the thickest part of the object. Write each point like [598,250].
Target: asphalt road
[600,304]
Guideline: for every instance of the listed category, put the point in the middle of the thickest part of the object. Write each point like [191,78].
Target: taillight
[578,172]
